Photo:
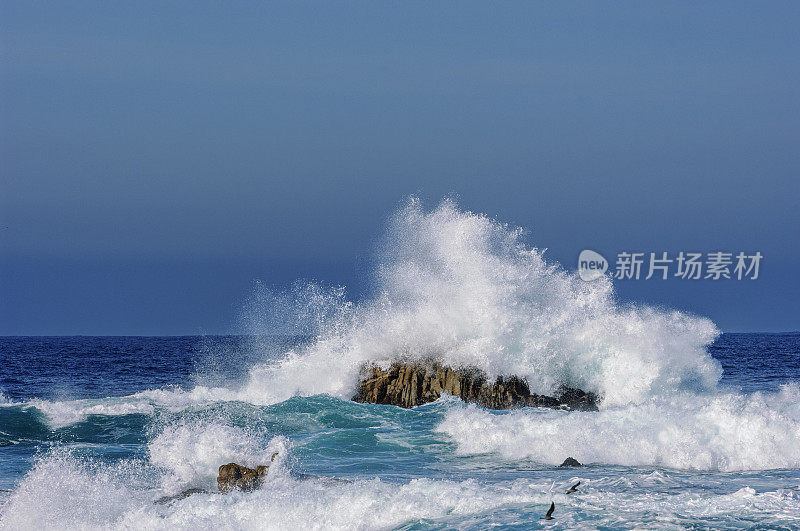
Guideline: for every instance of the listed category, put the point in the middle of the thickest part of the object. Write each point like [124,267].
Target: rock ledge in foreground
[413,384]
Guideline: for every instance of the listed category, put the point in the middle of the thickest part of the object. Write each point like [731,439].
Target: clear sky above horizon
[156,158]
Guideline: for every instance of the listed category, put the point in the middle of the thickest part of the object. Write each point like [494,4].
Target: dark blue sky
[156,158]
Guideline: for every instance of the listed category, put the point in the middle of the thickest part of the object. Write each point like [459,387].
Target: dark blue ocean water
[81,413]
[96,367]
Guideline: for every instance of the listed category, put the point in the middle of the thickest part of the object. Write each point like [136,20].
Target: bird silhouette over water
[549,515]
[573,488]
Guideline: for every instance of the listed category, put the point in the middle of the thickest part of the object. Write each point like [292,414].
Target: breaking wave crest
[467,290]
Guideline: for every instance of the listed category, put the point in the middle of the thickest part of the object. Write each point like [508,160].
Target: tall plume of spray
[467,290]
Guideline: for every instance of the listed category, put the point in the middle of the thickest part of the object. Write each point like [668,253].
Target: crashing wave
[466,290]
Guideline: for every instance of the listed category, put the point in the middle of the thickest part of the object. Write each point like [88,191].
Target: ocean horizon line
[743,332]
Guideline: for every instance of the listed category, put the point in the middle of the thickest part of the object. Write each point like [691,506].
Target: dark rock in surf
[233,476]
[576,399]
[185,494]
[570,462]
[413,384]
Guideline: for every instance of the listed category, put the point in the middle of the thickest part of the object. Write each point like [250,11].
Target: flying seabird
[573,488]
[549,515]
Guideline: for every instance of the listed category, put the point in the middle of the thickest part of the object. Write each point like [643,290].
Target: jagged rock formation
[413,384]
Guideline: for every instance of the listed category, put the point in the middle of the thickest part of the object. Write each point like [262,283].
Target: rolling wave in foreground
[674,444]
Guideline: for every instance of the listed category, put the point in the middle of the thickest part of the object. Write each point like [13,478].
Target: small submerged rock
[185,494]
[413,384]
[233,476]
[570,462]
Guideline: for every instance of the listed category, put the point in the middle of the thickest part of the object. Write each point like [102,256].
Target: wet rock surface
[413,384]
[569,461]
[233,476]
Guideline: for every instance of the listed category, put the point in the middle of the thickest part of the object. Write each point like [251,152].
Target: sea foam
[192,451]
[64,492]
[722,431]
